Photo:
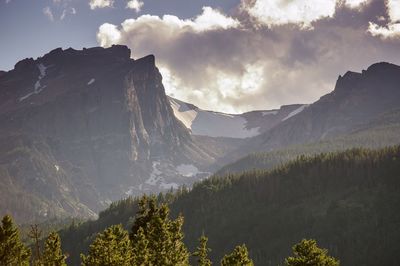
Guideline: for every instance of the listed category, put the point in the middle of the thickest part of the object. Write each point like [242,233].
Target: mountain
[382,131]
[356,99]
[348,201]
[81,128]
[215,124]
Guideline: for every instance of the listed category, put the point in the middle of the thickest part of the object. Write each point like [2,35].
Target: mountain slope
[348,201]
[216,124]
[83,128]
[382,131]
[356,99]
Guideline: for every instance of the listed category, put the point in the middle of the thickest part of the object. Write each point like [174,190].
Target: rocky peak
[382,68]
[347,81]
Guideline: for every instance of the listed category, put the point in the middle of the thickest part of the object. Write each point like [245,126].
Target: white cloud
[108,34]
[100,3]
[8,1]
[356,3]
[280,12]
[393,10]
[392,29]
[170,27]
[66,11]
[135,5]
[48,13]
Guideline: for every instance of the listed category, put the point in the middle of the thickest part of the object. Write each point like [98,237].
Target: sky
[224,55]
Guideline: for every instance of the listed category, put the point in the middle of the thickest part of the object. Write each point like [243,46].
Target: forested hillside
[347,201]
[382,131]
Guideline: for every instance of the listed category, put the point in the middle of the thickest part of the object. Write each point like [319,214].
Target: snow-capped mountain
[215,124]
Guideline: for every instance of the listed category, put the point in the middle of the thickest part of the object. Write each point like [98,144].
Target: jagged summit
[115,53]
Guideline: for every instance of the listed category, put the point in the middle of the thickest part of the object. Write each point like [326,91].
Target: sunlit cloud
[100,3]
[223,62]
[280,12]
[135,5]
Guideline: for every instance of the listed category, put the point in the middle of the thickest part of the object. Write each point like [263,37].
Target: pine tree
[52,255]
[140,249]
[202,252]
[239,257]
[35,234]
[111,247]
[162,236]
[308,253]
[12,250]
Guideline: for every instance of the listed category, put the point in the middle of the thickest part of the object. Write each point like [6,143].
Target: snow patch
[38,86]
[187,170]
[91,81]
[57,167]
[213,124]
[154,175]
[296,112]
[183,112]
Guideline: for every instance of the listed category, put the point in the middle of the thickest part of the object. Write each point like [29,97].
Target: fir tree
[308,253]
[140,249]
[12,250]
[202,252]
[52,255]
[239,257]
[111,247]
[162,236]
[35,234]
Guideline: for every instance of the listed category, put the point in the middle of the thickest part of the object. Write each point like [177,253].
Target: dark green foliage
[239,257]
[307,253]
[347,201]
[12,251]
[156,238]
[77,237]
[111,247]
[202,252]
[344,200]
[53,255]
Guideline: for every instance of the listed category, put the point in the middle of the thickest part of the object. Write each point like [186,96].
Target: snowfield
[213,124]
[38,86]
[296,112]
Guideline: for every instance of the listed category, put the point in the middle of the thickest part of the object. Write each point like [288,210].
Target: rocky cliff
[82,128]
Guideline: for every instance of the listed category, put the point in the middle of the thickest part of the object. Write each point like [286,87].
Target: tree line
[155,239]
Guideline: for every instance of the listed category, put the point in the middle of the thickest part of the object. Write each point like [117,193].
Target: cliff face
[81,128]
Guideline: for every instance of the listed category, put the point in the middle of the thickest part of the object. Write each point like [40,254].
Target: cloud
[48,13]
[169,27]
[356,3]
[227,64]
[8,1]
[394,10]
[135,5]
[66,11]
[108,34]
[280,12]
[100,3]
[392,29]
